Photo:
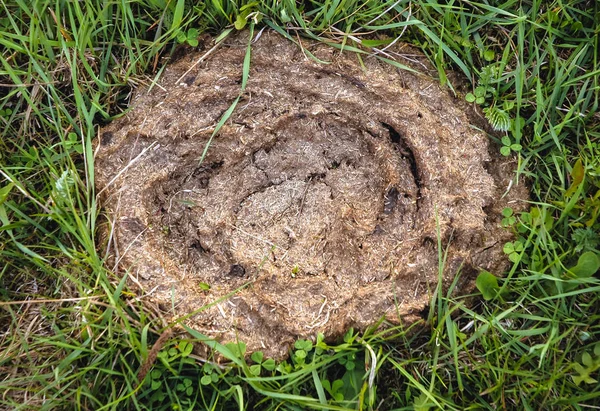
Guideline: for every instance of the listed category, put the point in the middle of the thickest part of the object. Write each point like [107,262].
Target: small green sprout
[190,37]
[211,375]
[590,364]
[513,250]
[509,218]
[261,363]
[508,146]
[478,96]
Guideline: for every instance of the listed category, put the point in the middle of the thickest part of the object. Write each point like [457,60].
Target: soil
[317,206]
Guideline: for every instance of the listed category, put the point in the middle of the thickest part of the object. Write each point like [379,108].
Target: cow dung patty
[319,204]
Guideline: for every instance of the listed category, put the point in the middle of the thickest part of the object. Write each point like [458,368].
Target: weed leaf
[587,265]
[487,284]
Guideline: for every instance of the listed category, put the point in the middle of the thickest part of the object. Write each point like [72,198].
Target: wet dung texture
[318,198]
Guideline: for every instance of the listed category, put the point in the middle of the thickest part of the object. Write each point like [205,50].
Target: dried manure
[321,197]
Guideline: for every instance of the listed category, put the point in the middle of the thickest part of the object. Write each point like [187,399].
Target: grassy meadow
[73,337]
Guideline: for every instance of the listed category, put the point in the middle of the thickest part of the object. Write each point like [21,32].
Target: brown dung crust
[321,191]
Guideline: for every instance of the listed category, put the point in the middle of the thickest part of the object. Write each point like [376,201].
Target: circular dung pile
[321,197]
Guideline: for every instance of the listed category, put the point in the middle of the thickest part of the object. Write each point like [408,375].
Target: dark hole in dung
[394,135]
[189,80]
[378,230]
[424,313]
[203,172]
[429,242]
[389,200]
[316,176]
[237,270]
[204,182]
[197,246]
[107,137]
[216,165]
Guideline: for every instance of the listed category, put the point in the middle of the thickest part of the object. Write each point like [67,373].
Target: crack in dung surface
[406,152]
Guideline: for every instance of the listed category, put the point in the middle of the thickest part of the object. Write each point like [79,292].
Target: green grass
[74,338]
